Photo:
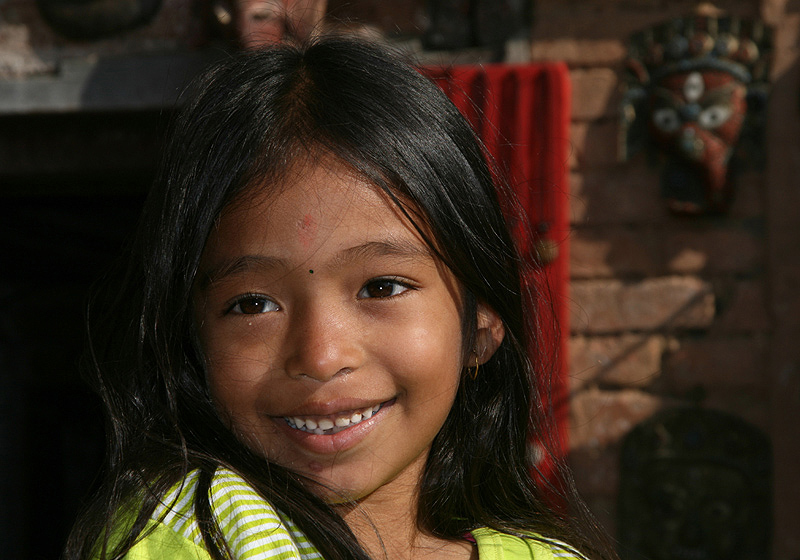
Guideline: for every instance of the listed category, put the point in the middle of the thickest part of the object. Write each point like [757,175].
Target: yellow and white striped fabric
[252,528]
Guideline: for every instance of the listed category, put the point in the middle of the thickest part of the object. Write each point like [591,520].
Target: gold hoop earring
[477,367]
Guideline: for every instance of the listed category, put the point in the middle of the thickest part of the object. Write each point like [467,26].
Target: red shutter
[522,115]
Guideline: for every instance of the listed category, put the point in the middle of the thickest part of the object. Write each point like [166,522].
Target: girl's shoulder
[495,545]
[250,525]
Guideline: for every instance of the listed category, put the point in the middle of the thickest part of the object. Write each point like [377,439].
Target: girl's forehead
[316,190]
[314,175]
[312,203]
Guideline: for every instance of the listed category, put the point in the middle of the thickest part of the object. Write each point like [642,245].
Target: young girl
[321,346]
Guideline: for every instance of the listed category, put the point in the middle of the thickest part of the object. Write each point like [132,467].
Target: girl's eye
[382,288]
[253,305]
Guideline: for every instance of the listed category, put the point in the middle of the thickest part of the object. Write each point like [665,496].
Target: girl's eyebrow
[400,248]
[237,266]
[394,247]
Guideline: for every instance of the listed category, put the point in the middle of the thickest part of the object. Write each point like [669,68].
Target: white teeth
[328,426]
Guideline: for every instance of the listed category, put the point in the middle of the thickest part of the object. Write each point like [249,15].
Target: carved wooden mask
[695,94]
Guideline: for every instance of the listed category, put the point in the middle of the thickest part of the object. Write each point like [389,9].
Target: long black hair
[247,121]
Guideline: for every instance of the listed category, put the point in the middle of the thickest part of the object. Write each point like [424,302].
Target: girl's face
[332,334]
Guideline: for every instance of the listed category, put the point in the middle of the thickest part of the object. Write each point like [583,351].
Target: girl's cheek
[238,362]
[224,338]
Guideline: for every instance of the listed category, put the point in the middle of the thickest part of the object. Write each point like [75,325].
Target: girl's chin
[337,488]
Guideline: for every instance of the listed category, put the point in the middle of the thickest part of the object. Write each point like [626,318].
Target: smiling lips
[328,425]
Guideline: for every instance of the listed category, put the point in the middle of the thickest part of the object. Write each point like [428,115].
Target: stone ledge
[130,82]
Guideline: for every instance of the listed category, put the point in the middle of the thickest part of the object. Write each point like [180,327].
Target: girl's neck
[385,523]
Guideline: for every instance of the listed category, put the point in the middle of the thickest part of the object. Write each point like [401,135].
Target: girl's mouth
[335,423]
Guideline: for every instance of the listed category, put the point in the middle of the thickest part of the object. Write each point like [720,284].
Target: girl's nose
[323,342]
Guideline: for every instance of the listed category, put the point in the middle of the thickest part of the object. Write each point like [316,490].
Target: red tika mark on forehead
[307,230]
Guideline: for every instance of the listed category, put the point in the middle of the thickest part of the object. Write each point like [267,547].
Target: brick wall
[669,310]
[665,310]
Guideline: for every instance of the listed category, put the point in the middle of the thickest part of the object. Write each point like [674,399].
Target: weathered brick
[629,193]
[622,194]
[654,304]
[733,362]
[629,360]
[606,252]
[785,279]
[598,252]
[574,21]
[392,18]
[743,307]
[595,94]
[748,196]
[783,163]
[715,250]
[596,469]
[591,19]
[752,405]
[773,12]
[579,52]
[593,143]
[601,418]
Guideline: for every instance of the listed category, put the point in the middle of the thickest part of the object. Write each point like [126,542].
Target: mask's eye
[253,305]
[666,119]
[714,116]
[382,288]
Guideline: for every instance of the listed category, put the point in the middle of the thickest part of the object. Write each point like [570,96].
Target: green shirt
[493,545]
[253,529]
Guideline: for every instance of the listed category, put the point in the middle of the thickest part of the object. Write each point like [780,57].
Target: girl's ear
[489,335]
